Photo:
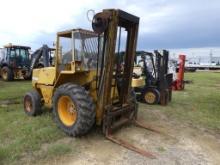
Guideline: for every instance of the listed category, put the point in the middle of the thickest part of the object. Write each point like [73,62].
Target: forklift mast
[112,76]
[108,22]
[164,79]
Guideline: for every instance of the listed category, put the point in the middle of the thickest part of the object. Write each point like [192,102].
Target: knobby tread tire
[84,106]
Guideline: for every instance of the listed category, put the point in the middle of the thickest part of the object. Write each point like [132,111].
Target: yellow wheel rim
[4,74]
[150,97]
[67,110]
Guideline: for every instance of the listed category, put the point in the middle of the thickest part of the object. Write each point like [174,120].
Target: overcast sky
[167,24]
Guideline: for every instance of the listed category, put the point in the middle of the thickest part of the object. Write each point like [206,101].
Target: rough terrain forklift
[87,85]
[14,62]
[158,82]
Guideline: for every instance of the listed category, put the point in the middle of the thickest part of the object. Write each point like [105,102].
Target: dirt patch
[186,149]
[180,145]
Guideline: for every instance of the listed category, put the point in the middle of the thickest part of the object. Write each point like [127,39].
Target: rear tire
[32,103]
[151,96]
[7,74]
[73,109]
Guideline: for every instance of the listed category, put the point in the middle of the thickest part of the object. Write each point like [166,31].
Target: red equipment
[178,84]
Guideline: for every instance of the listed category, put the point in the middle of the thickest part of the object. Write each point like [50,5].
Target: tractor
[14,62]
[87,86]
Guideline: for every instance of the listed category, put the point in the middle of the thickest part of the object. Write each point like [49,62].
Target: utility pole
[210,55]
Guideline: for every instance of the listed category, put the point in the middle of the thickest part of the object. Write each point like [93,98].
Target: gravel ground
[181,144]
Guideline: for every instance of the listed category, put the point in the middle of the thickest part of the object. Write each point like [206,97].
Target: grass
[22,136]
[199,103]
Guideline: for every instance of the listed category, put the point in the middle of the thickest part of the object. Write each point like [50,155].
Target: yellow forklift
[87,85]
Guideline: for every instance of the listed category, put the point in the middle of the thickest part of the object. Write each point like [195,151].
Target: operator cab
[77,48]
[17,56]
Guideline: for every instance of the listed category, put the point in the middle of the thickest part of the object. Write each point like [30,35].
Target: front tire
[151,96]
[73,109]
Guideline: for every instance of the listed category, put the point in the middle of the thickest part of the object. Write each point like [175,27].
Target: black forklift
[157,88]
